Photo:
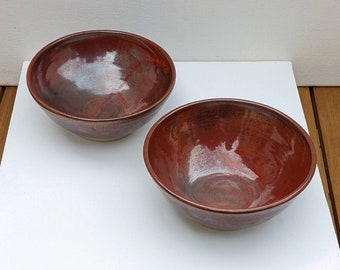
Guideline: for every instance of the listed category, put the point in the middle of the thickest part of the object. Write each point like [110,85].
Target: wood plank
[2,90]
[6,106]
[327,103]
[307,104]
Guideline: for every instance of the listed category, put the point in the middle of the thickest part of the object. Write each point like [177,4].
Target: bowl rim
[141,39]
[261,106]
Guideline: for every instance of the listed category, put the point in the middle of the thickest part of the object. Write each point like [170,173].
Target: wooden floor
[7,97]
[322,111]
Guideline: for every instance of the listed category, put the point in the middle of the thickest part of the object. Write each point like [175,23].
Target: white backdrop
[304,32]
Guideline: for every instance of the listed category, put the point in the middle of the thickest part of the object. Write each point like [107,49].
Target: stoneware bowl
[229,164]
[101,85]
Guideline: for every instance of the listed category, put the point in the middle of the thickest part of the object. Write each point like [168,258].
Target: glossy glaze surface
[226,159]
[101,76]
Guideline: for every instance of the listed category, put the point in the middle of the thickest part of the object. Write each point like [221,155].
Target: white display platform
[70,203]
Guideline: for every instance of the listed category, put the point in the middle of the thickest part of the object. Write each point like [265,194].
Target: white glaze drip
[102,75]
[204,161]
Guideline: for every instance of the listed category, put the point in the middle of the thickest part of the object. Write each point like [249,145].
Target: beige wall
[304,32]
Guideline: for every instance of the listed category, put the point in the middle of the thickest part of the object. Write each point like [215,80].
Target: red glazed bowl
[101,85]
[229,164]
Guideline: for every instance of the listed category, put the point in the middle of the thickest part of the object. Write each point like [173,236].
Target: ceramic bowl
[227,163]
[101,85]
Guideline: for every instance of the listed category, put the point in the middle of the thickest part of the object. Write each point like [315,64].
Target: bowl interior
[229,155]
[100,75]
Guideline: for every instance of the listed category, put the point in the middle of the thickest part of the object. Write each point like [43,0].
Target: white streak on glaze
[102,75]
[204,161]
